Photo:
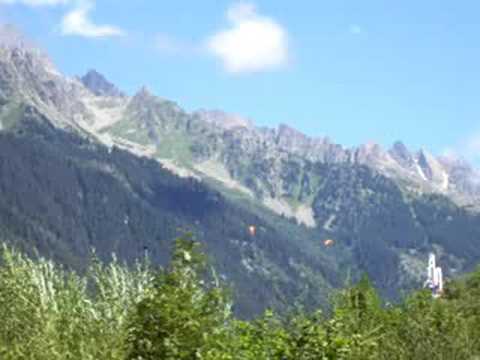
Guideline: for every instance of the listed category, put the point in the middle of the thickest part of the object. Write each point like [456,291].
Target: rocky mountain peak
[27,74]
[19,51]
[401,154]
[400,150]
[424,165]
[99,85]
[292,139]
[286,131]
[222,119]
[142,100]
[369,152]
[142,95]
[12,38]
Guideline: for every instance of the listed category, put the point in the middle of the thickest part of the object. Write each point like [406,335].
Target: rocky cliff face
[222,120]
[27,74]
[99,85]
[259,158]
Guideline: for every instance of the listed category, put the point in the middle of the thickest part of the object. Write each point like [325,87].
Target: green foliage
[49,313]
[132,313]
[180,312]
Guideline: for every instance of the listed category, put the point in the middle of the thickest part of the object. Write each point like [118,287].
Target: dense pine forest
[184,312]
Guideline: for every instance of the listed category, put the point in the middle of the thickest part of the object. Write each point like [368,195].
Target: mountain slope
[63,195]
[82,165]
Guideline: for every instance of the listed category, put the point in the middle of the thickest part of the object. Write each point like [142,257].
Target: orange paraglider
[252,230]
[328,242]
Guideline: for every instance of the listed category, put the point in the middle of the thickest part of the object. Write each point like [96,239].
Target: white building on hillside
[434,277]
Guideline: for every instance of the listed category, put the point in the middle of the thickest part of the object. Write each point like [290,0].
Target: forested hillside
[63,195]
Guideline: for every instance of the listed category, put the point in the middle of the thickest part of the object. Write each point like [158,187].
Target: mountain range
[84,165]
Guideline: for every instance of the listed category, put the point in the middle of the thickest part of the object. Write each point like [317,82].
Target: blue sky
[356,71]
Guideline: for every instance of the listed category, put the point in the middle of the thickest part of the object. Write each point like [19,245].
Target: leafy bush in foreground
[49,313]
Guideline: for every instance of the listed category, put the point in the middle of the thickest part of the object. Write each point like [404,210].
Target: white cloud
[252,43]
[77,22]
[35,2]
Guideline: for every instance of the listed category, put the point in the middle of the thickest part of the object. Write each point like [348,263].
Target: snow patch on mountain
[420,171]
